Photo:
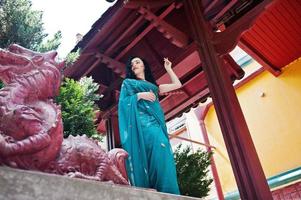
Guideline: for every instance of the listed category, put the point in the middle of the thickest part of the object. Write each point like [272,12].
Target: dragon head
[18,61]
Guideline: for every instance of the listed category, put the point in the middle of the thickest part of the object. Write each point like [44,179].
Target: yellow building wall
[272,108]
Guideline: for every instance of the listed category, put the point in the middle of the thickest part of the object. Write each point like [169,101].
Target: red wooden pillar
[201,117]
[112,128]
[246,166]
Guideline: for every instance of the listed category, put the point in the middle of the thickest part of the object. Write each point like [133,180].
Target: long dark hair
[147,71]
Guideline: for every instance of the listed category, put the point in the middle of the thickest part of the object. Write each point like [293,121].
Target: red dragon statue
[31,128]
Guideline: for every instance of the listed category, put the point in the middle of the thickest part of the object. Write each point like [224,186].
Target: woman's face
[137,66]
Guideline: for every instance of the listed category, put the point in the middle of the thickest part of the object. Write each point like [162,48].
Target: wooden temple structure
[196,35]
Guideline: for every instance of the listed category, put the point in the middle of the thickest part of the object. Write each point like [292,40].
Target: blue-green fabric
[144,136]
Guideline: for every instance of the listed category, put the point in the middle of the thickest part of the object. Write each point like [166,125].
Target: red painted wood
[268,28]
[151,4]
[120,27]
[246,166]
[224,10]
[141,35]
[273,39]
[232,67]
[258,57]
[122,36]
[276,36]
[97,61]
[210,6]
[263,49]
[278,29]
[183,106]
[117,67]
[234,32]
[249,78]
[201,113]
[107,22]
[175,36]
[171,102]
[195,84]
[272,48]
[101,127]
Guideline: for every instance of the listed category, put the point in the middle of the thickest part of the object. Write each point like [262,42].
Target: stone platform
[27,185]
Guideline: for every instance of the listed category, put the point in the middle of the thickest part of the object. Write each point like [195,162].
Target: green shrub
[192,171]
[71,58]
[78,108]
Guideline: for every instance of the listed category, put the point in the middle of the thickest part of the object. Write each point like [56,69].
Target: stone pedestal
[27,185]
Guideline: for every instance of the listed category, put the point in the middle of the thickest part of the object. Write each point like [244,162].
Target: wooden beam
[223,11]
[210,6]
[97,62]
[134,4]
[116,66]
[251,76]
[75,67]
[129,29]
[187,103]
[226,41]
[141,35]
[108,112]
[247,47]
[233,67]
[171,33]
[249,175]
[89,52]
[99,35]
[180,91]
[147,44]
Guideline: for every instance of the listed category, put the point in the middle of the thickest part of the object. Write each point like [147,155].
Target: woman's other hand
[148,96]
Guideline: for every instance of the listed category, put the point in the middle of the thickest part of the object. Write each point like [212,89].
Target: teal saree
[144,136]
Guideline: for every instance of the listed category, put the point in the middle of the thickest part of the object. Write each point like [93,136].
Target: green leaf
[20,24]
[192,171]
[77,103]
[51,44]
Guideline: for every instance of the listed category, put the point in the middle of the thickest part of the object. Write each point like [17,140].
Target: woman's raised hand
[148,96]
[167,64]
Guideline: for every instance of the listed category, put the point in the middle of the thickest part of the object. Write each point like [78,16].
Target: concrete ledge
[27,185]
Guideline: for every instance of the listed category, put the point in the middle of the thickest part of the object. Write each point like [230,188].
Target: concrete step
[18,184]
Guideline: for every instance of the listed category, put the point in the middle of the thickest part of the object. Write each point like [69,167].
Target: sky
[70,17]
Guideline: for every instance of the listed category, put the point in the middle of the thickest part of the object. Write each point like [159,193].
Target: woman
[142,128]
